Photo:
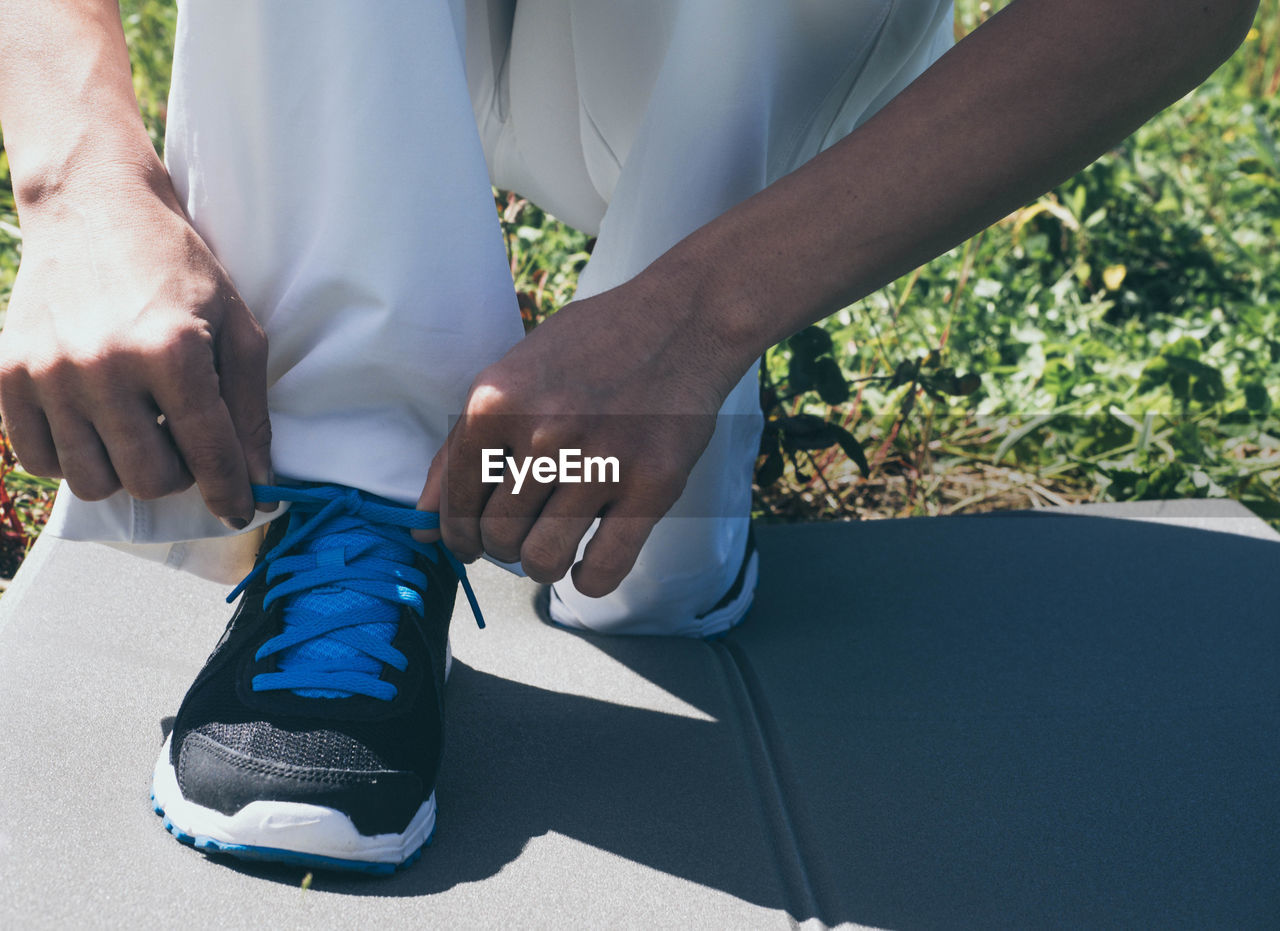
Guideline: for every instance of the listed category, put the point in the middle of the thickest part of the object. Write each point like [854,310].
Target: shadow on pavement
[959,722]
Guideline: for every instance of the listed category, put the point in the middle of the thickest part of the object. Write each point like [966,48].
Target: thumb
[432,495]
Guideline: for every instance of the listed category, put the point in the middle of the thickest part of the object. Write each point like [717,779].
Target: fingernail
[235,523]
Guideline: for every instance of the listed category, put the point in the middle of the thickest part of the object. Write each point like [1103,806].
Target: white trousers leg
[328,154]
[642,121]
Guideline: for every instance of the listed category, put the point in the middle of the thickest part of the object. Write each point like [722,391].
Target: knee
[674,597]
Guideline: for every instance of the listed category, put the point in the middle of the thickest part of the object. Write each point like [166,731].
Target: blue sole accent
[290,857]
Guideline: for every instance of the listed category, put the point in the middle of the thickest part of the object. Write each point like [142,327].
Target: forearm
[1024,102]
[70,118]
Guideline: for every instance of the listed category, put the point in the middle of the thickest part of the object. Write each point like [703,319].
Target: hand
[617,375]
[129,361]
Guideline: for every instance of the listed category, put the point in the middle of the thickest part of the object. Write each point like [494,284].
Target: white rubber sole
[286,831]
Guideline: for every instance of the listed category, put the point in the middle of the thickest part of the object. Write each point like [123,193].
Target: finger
[82,458]
[508,516]
[611,552]
[429,500]
[186,480]
[206,439]
[465,493]
[141,451]
[30,438]
[242,381]
[551,545]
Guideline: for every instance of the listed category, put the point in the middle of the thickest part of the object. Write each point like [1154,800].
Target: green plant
[1119,335]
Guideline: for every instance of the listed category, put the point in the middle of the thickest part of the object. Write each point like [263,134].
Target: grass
[1117,339]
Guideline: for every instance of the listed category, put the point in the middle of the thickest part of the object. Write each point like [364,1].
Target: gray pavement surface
[1027,720]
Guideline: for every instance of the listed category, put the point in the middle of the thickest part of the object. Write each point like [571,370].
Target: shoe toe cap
[378,801]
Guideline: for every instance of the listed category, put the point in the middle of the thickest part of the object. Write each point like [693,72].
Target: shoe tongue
[380,618]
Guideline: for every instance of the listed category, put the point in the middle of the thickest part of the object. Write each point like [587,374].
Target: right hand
[120,316]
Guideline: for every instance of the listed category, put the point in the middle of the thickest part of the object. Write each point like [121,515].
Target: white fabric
[328,154]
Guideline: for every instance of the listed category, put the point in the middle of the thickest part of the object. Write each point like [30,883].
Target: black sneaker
[313,734]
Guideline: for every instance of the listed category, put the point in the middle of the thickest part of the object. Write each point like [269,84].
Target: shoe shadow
[522,761]
[1000,721]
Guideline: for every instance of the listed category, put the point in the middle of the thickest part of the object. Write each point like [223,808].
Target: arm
[1027,100]
[1031,97]
[119,313]
[70,119]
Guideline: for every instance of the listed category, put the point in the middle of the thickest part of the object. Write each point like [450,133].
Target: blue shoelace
[345,570]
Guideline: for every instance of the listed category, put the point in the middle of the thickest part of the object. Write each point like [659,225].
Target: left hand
[627,374]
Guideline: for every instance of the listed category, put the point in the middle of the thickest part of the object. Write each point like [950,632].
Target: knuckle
[461,542]
[54,372]
[149,485]
[93,486]
[545,560]
[487,396]
[548,438]
[13,402]
[186,344]
[143,489]
[13,373]
[174,348]
[194,291]
[257,433]
[248,339]
[501,543]
[36,461]
[104,375]
[215,464]
[610,565]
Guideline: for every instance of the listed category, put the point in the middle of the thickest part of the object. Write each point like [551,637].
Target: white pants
[328,153]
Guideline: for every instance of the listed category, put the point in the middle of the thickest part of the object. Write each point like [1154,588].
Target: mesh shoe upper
[328,684]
